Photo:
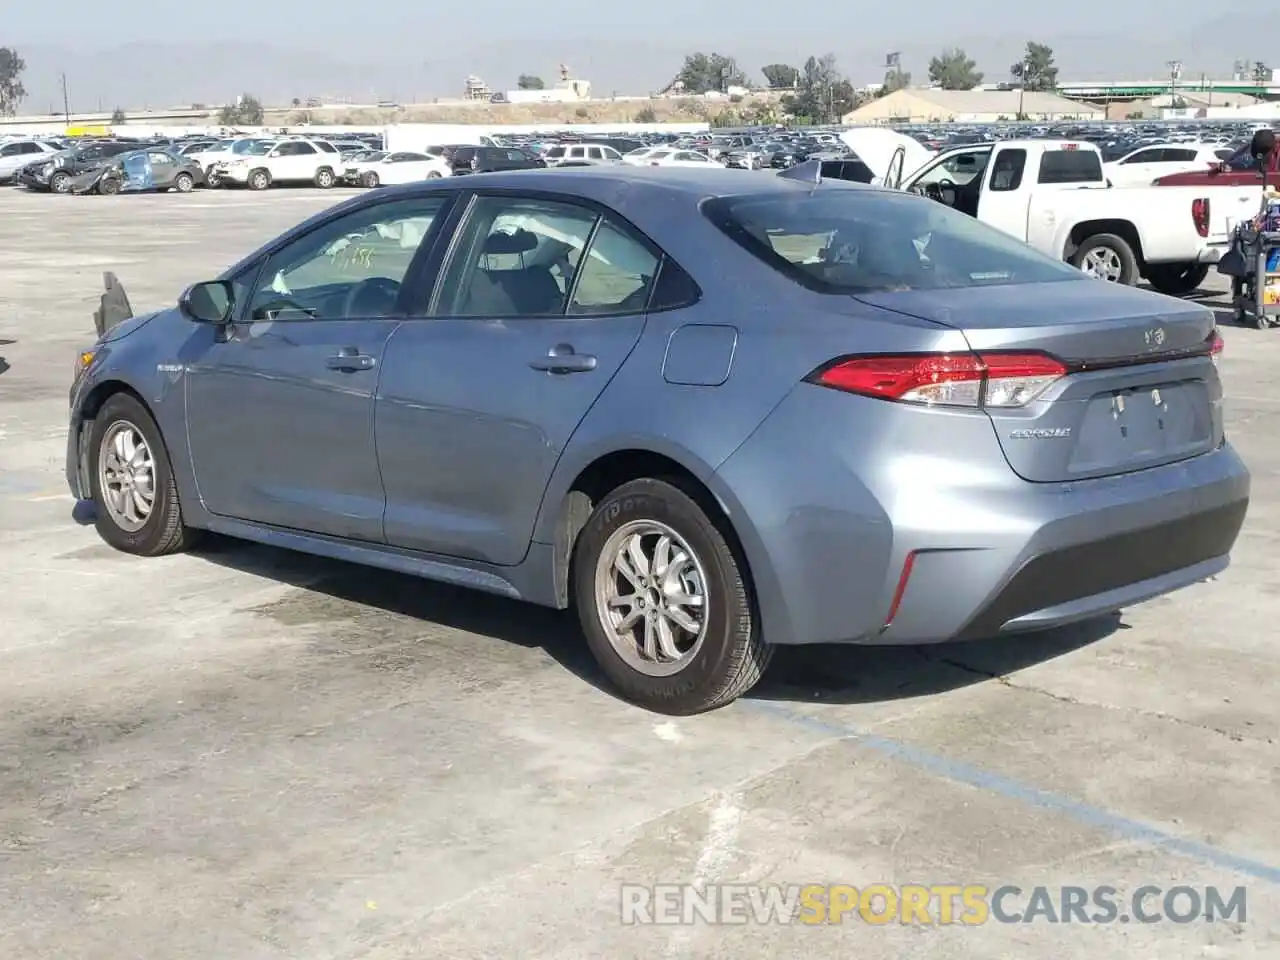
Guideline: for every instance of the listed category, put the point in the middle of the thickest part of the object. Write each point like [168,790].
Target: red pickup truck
[1241,170]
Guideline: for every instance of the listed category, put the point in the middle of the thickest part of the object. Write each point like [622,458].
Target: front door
[280,403]
[478,401]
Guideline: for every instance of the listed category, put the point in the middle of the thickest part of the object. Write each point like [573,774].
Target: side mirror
[209,302]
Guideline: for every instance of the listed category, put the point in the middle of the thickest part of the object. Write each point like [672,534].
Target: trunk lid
[1141,390]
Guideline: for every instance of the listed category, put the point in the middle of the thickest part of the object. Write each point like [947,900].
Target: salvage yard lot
[246,753]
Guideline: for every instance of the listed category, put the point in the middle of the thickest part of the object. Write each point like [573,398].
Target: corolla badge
[1041,433]
[1154,337]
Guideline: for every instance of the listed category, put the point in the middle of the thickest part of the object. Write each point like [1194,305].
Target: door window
[156,157]
[615,276]
[594,153]
[351,267]
[515,257]
[1144,156]
[1006,174]
[1178,155]
[959,168]
[515,156]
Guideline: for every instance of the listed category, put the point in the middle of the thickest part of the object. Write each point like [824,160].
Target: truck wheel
[1177,279]
[259,180]
[1107,257]
[664,603]
[324,178]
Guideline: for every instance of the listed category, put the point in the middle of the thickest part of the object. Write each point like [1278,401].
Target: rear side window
[1070,166]
[1177,155]
[1006,172]
[840,240]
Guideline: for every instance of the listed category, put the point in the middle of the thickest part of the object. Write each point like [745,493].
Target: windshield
[850,240]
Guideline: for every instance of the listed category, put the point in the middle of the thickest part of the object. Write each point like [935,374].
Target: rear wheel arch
[1124,229]
[605,474]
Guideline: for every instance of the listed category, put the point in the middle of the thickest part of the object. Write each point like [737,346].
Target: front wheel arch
[88,413]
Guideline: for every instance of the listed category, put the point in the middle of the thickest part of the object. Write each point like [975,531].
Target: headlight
[46,168]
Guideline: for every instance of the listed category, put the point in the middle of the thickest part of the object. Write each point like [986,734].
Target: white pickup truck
[1053,195]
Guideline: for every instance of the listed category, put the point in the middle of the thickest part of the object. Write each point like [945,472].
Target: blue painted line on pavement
[1009,788]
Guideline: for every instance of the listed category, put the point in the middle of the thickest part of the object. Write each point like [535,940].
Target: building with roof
[929,105]
[1184,104]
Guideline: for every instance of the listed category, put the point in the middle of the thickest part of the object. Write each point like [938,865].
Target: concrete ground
[245,753]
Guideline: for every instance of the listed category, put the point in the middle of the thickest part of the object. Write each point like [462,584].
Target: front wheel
[183,183]
[370,179]
[324,178]
[132,483]
[108,186]
[1107,257]
[60,182]
[1177,279]
[259,180]
[664,602]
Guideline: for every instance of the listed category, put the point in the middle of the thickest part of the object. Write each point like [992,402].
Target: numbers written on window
[532,258]
[350,268]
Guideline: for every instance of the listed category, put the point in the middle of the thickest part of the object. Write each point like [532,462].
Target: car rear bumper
[872,522]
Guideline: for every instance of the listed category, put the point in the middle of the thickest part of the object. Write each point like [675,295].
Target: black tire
[325,178]
[1177,279]
[109,187]
[369,179]
[163,532]
[258,179]
[211,179]
[60,182]
[1128,263]
[732,655]
[183,183]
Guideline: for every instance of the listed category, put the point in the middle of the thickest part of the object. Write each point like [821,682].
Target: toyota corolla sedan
[713,414]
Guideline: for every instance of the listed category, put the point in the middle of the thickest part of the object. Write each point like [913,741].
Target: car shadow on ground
[831,673]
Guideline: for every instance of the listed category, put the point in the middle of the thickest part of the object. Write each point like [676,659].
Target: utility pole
[66,101]
[1175,72]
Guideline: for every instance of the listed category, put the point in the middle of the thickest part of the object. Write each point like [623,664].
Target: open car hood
[876,147]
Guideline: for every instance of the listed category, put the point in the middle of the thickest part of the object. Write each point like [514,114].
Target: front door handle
[563,359]
[349,361]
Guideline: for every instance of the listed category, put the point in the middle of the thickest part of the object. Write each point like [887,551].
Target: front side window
[959,168]
[853,241]
[350,268]
[515,257]
[1143,156]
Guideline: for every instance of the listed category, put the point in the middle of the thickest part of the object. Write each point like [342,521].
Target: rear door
[164,168]
[480,396]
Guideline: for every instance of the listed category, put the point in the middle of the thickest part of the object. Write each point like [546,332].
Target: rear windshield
[846,240]
[1070,166]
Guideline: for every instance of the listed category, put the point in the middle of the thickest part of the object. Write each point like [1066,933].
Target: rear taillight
[946,379]
[1200,215]
[1216,345]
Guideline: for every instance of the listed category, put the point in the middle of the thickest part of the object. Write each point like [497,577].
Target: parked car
[471,159]
[269,162]
[581,154]
[714,413]
[1140,167]
[143,171]
[396,168]
[55,174]
[16,154]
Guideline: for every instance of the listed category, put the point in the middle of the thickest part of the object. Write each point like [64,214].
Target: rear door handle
[350,362]
[563,359]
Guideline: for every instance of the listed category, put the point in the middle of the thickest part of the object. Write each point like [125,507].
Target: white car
[637,156]
[16,154]
[679,158]
[222,152]
[581,154]
[396,168]
[1139,168]
[284,161]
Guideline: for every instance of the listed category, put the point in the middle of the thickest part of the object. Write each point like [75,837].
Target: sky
[413,52]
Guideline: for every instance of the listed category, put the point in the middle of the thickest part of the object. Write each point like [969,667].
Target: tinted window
[675,288]
[302,149]
[517,156]
[1144,156]
[1070,166]
[1006,173]
[555,153]
[11,149]
[351,267]
[850,241]
[616,275]
[326,147]
[595,153]
[515,258]
[1178,155]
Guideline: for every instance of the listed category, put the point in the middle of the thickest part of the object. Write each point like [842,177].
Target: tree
[117,116]
[1035,71]
[953,70]
[822,94]
[781,76]
[528,81]
[703,72]
[246,111]
[646,115]
[895,80]
[12,92]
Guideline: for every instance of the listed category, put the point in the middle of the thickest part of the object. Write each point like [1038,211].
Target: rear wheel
[370,179]
[664,602]
[1107,257]
[1177,279]
[108,186]
[131,481]
[211,178]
